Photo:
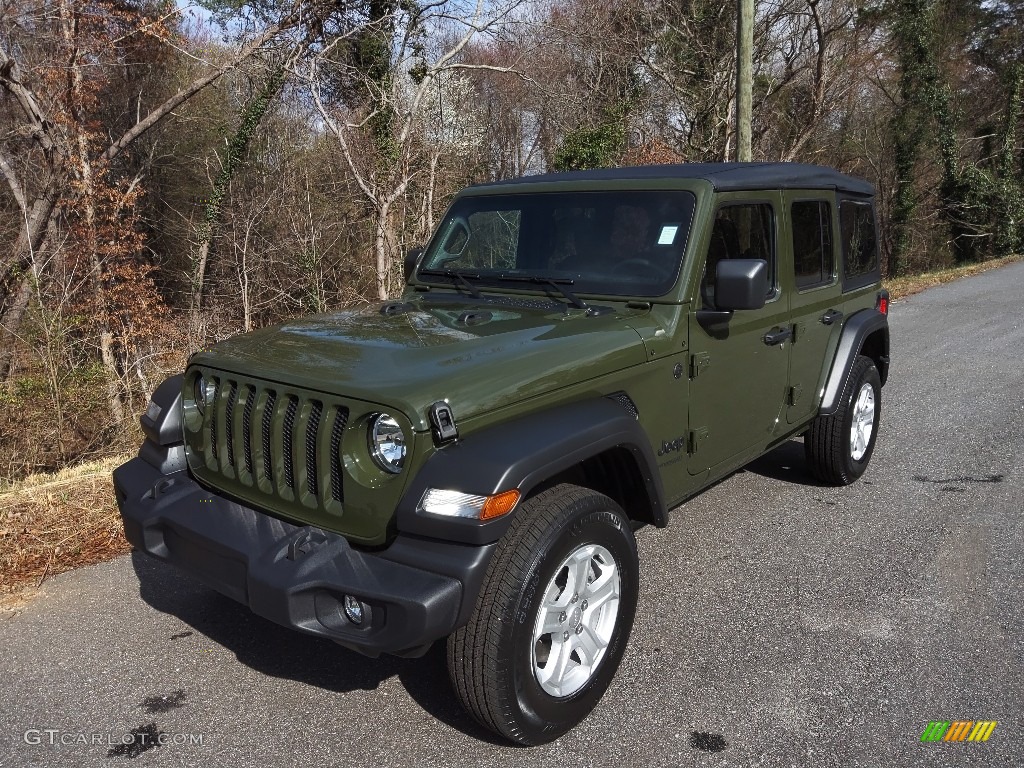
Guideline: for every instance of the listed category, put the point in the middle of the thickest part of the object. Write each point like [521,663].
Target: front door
[739,363]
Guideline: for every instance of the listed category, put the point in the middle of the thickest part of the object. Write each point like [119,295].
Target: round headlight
[203,392]
[199,393]
[387,443]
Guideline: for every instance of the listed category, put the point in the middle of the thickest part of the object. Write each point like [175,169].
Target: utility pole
[744,78]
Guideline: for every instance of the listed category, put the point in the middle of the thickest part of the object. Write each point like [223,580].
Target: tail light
[882,303]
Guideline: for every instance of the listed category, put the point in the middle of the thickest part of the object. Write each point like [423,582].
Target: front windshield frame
[622,243]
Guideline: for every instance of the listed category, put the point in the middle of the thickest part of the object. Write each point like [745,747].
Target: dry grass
[901,287]
[51,523]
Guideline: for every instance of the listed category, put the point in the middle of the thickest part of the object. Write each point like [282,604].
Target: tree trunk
[33,234]
[911,31]
[11,322]
[434,158]
[115,395]
[249,120]
[87,179]
[381,250]
[1009,222]
[200,261]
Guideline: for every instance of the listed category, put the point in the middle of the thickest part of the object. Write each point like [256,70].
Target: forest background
[174,174]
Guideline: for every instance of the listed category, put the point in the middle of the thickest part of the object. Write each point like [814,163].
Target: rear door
[738,379]
[815,295]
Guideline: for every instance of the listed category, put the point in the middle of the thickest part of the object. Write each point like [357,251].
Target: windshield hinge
[442,422]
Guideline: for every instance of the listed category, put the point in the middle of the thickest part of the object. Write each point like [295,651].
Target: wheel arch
[596,443]
[864,333]
[616,473]
[876,346]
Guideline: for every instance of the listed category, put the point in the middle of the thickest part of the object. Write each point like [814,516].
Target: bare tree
[326,24]
[51,146]
[379,136]
[818,54]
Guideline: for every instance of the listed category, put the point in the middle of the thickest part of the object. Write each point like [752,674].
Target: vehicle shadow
[279,652]
[786,463]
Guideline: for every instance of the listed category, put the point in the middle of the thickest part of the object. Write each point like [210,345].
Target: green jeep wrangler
[574,355]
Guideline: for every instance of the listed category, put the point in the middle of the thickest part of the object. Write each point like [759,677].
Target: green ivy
[1010,188]
[583,149]
[980,205]
[911,31]
[250,120]
[593,147]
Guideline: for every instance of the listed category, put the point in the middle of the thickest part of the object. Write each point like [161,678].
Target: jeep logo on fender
[668,447]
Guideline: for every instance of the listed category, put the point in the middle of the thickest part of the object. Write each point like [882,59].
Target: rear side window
[860,245]
[812,243]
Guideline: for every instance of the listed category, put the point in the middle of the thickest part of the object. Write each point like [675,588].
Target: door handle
[831,316]
[778,336]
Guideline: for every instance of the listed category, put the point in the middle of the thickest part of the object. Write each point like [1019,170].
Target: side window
[860,247]
[812,242]
[740,231]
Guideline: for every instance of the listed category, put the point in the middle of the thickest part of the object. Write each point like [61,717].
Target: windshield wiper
[458,277]
[558,283]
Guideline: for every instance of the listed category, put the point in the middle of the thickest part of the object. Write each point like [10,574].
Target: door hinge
[698,360]
[794,394]
[696,437]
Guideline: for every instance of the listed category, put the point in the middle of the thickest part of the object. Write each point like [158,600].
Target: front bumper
[414,592]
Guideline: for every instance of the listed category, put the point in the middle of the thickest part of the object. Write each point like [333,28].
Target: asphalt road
[780,623]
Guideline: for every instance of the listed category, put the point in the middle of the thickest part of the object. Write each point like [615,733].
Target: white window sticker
[668,234]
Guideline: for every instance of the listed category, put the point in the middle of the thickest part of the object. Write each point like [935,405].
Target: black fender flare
[164,446]
[522,453]
[856,329]
[161,421]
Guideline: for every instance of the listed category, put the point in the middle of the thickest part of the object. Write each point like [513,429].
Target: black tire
[490,660]
[827,443]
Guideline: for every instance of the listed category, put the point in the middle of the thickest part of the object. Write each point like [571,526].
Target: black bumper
[414,592]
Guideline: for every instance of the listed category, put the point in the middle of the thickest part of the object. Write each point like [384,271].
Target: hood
[478,357]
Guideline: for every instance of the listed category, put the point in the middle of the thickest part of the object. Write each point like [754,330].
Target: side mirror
[412,259]
[741,284]
[457,237]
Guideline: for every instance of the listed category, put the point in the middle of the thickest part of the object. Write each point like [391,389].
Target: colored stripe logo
[959,730]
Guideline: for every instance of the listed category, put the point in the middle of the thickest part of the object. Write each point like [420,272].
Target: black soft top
[724,177]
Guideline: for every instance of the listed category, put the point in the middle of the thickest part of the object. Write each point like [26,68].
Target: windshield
[621,243]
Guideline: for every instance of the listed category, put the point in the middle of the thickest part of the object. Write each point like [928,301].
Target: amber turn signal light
[499,504]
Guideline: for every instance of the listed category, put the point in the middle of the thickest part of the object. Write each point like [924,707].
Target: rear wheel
[553,617]
[839,447]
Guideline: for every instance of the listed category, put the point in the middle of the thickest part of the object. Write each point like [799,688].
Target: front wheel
[552,619]
[839,447]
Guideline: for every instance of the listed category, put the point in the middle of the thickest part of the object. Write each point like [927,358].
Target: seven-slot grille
[282,443]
